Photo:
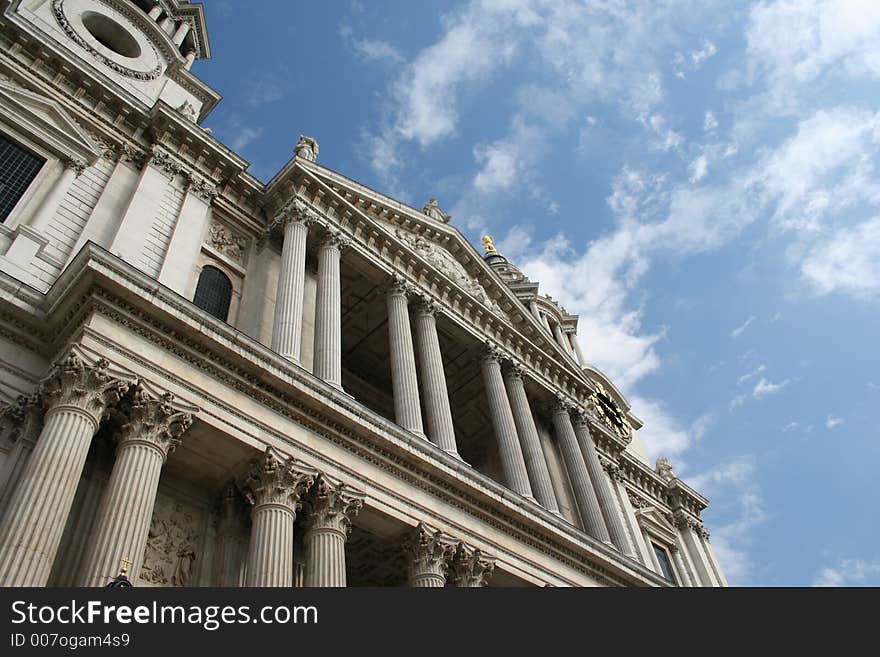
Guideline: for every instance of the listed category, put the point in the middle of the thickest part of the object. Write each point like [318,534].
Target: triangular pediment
[46,122]
[436,243]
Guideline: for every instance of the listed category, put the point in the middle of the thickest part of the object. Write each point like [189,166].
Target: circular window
[111,34]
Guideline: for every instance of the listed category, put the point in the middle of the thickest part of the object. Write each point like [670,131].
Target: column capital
[334,238]
[562,404]
[21,418]
[152,419]
[613,469]
[428,552]
[513,369]
[470,567]
[272,481]
[492,353]
[88,387]
[426,305]
[77,165]
[397,284]
[331,506]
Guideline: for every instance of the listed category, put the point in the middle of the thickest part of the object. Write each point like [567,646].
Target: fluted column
[428,554]
[713,560]
[536,462]
[231,556]
[407,411]
[683,579]
[151,429]
[75,396]
[512,461]
[438,414]
[287,326]
[274,488]
[689,528]
[584,494]
[577,349]
[560,338]
[470,568]
[613,521]
[328,311]
[330,508]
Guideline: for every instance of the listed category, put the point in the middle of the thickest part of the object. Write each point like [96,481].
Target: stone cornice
[97,282]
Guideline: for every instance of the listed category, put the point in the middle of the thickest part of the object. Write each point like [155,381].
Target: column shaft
[125,513]
[683,578]
[438,413]
[512,462]
[698,557]
[713,561]
[577,349]
[328,315]
[407,411]
[325,558]
[585,495]
[270,554]
[603,491]
[536,462]
[37,512]
[287,327]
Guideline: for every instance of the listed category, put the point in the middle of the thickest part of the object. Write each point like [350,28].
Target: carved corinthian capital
[428,553]
[273,481]
[470,567]
[332,506]
[22,419]
[157,421]
[87,387]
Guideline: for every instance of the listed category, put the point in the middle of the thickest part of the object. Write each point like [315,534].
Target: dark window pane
[665,566]
[18,168]
[214,292]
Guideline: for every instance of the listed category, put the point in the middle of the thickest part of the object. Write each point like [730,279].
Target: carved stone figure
[306,148]
[223,240]
[432,209]
[664,469]
[171,545]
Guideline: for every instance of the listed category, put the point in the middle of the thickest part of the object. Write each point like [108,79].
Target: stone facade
[220,382]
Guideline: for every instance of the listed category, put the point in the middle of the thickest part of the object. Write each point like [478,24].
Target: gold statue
[488,247]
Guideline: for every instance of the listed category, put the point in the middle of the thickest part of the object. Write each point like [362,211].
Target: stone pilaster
[690,530]
[151,428]
[75,396]
[428,554]
[230,558]
[536,462]
[512,461]
[470,568]
[22,421]
[713,560]
[287,326]
[438,414]
[407,410]
[274,488]
[613,520]
[329,510]
[584,494]
[683,578]
[328,311]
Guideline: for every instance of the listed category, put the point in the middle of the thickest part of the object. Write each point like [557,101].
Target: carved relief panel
[173,544]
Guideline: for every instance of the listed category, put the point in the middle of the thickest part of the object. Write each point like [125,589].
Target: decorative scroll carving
[273,481]
[172,544]
[202,187]
[448,265]
[470,567]
[224,240]
[332,506]
[74,383]
[162,160]
[153,420]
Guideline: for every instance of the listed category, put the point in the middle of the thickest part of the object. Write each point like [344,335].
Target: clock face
[109,36]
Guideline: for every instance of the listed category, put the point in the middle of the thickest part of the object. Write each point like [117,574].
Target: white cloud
[262,92]
[371,50]
[243,137]
[699,168]
[710,123]
[832,422]
[765,388]
[750,375]
[850,572]
[708,50]
[847,262]
[791,426]
[738,331]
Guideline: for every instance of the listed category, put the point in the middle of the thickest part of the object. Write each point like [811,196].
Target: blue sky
[697,180]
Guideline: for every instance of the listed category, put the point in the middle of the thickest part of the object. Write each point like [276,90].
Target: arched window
[214,292]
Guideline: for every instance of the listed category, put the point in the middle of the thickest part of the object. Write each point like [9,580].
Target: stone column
[577,349]
[561,339]
[438,414]
[274,488]
[613,521]
[43,217]
[328,312]
[75,396]
[22,421]
[536,462]
[681,571]
[512,462]
[287,327]
[231,555]
[428,554]
[151,429]
[689,528]
[470,568]
[330,508]
[584,494]
[407,411]
[692,575]
[713,560]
